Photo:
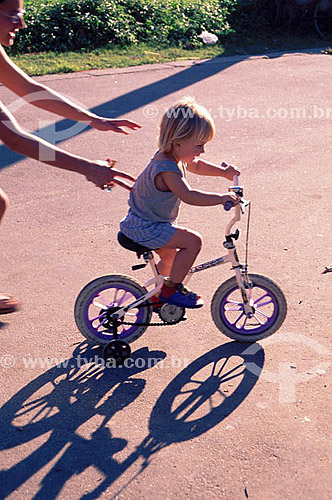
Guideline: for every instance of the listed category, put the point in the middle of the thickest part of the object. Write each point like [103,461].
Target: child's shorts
[147,233]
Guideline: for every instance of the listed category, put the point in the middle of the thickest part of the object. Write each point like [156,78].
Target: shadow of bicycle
[62,399]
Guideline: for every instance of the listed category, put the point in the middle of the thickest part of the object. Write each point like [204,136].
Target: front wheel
[102,297]
[268,305]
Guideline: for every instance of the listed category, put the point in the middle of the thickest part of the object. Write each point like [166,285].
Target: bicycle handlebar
[230,204]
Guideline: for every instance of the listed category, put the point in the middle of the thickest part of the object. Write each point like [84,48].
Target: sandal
[182,297]
[8,303]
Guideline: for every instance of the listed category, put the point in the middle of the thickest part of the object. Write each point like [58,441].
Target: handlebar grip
[228,205]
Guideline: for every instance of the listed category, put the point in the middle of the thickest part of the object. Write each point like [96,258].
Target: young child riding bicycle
[155,198]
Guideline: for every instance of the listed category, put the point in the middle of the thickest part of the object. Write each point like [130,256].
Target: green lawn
[54,62]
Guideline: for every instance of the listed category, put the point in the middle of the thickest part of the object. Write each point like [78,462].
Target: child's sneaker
[181,297]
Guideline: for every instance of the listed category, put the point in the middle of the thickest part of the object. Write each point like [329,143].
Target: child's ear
[176,144]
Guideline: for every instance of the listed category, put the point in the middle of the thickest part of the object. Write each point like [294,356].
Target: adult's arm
[17,139]
[12,77]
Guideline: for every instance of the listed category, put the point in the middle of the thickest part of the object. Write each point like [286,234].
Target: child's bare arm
[203,167]
[182,190]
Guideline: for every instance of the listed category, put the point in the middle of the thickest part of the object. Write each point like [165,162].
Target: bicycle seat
[131,245]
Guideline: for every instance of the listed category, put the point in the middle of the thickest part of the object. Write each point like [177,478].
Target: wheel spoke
[236,307]
[124,297]
[228,376]
[97,317]
[105,304]
[101,324]
[222,367]
[264,303]
[198,382]
[261,322]
[238,319]
[261,298]
[260,317]
[262,314]
[97,304]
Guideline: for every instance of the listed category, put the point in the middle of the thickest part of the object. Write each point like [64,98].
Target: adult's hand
[103,174]
[107,124]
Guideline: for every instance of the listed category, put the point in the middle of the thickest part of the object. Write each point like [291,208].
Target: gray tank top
[148,202]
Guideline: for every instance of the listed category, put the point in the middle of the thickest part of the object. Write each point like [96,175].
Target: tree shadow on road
[64,398]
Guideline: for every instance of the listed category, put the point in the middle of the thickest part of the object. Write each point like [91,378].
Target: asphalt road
[201,423]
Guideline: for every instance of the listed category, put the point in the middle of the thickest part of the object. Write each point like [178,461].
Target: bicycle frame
[231,257]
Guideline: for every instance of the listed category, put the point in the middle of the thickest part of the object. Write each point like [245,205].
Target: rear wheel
[269,309]
[101,298]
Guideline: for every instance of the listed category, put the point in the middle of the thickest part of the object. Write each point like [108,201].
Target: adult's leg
[3,203]
[8,303]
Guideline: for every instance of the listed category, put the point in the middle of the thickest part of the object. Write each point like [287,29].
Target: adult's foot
[8,303]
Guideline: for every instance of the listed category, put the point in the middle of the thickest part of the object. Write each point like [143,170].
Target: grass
[67,62]
[58,62]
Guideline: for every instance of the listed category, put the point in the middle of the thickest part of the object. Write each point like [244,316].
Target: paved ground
[200,425]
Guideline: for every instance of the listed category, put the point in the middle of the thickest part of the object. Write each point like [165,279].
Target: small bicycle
[296,11]
[116,309]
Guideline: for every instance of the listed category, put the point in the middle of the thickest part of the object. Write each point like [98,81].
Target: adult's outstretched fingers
[130,124]
[119,173]
[122,184]
[124,175]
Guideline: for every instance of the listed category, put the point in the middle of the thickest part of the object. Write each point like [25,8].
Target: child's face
[188,150]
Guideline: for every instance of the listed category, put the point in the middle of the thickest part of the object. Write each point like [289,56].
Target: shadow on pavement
[129,102]
[65,397]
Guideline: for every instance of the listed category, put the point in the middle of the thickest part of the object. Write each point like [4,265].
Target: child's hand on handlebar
[230,171]
[231,198]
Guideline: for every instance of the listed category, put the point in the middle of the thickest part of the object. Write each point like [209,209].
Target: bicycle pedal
[137,266]
[328,269]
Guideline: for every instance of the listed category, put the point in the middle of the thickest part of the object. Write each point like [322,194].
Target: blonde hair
[185,120]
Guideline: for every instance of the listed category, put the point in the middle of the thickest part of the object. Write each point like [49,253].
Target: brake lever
[243,204]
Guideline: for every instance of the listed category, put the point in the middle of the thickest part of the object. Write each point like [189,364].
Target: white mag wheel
[102,297]
[268,303]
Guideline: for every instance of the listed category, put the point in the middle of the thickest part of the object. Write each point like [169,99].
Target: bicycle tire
[101,297]
[228,311]
[322,14]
